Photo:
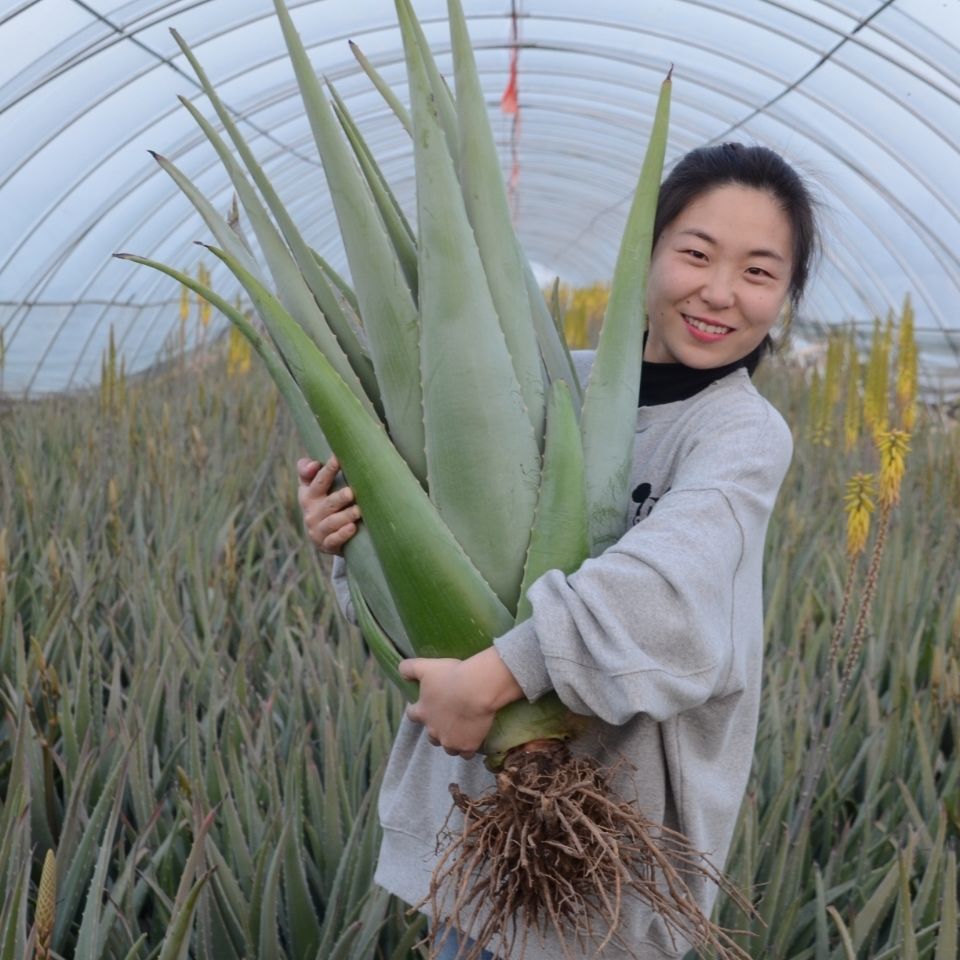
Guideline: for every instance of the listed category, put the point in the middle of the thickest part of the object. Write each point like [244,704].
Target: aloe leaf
[607,423]
[399,110]
[82,860]
[553,348]
[382,648]
[947,937]
[346,291]
[439,91]
[302,288]
[303,417]
[270,903]
[303,928]
[233,222]
[176,944]
[556,314]
[488,208]
[447,607]
[13,919]
[90,938]
[483,460]
[359,552]
[875,909]
[558,540]
[398,229]
[386,305]
[226,236]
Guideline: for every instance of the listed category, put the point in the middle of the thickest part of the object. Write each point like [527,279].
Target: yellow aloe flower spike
[893,446]
[859,505]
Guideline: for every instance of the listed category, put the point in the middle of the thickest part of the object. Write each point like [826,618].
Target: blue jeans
[452,944]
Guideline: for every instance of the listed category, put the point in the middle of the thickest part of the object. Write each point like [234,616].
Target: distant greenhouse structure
[862,95]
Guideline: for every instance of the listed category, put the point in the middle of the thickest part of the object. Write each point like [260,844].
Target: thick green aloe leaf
[303,289]
[607,422]
[381,646]
[558,540]
[488,208]
[483,460]
[447,607]
[400,111]
[386,304]
[359,551]
[398,229]
[442,98]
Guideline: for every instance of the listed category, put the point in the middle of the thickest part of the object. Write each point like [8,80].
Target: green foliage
[189,725]
[177,692]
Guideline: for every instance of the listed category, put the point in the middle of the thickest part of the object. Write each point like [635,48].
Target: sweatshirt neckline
[665,383]
[737,377]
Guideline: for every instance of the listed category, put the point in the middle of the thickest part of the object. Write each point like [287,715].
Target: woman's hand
[459,698]
[330,518]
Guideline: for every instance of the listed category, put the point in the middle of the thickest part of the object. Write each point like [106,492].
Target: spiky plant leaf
[399,110]
[483,460]
[386,303]
[359,550]
[303,293]
[485,196]
[558,540]
[607,422]
[394,219]
[447,607]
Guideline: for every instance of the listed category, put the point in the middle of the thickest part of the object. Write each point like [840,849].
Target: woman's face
[719,275]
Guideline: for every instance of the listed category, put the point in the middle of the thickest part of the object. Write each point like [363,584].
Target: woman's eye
[758,272]
[697,254]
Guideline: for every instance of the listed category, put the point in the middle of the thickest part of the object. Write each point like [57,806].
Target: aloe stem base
[552,847]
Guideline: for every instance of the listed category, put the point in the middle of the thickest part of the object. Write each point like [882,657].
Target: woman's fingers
[307,469]
[323,480]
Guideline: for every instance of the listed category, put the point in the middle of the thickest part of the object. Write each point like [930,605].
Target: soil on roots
[551,847]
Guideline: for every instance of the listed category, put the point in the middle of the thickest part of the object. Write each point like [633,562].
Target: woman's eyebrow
[761,252]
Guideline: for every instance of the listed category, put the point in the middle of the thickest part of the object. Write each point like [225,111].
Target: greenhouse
[447,242]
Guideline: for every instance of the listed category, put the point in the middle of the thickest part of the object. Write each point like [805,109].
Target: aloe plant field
[195,734]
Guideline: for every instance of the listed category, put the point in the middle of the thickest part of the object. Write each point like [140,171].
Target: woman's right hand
[330,518]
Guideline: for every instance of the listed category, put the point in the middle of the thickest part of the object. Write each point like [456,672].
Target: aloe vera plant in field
[444,388]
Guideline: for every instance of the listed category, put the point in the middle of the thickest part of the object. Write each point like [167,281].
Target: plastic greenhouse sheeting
[862,95]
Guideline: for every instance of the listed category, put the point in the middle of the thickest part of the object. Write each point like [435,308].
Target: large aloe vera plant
[442,384]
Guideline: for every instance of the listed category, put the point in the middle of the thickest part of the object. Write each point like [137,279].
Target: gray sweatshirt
[659,639]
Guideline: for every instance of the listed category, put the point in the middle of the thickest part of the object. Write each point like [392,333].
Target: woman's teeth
[704,326]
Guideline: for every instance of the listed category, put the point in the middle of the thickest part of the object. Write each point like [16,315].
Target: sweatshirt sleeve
[341,589]
[648,626]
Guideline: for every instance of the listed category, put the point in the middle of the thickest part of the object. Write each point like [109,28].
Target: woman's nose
[717,289]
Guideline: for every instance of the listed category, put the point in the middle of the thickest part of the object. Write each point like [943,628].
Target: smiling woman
[658,639]
[734,238]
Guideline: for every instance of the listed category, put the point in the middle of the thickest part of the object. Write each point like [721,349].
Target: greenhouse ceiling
[862,95]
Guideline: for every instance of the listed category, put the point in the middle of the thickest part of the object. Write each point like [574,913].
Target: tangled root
[551,845]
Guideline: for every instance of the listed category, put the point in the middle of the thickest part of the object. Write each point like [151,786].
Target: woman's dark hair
[706,168]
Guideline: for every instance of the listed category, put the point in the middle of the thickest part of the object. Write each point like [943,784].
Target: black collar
[670,382]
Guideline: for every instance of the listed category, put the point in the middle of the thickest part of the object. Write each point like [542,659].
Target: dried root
[550,847]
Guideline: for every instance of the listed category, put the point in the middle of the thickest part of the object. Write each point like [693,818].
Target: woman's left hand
[459,698]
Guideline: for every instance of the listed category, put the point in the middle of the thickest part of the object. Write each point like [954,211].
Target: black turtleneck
[670,382]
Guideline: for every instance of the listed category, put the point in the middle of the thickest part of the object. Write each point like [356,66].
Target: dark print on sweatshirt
[645,503]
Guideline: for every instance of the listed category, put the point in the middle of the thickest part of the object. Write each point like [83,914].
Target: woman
[659,638]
